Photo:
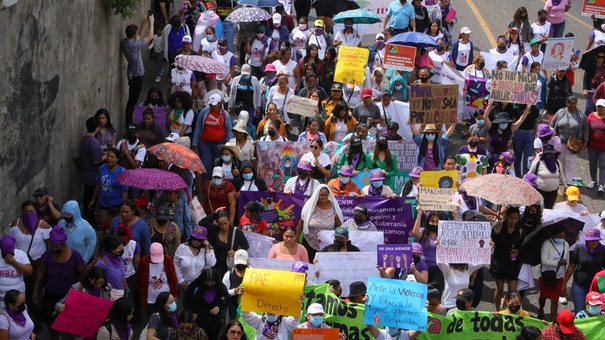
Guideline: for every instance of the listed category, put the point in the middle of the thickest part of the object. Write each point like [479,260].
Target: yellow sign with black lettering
[272,291]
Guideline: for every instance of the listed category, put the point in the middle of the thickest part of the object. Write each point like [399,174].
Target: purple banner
[394,255]
[393,216]
[159,113]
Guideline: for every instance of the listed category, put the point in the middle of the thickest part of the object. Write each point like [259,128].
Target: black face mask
[241,267]
[162,221]
[482,64]
[132,138]
[545,138]
[416,260]
[358,220]
[501,48]
[424,79]
[120,253]
[461,305]
[433,228]
[514,308]
[440,48]
[57,250]
[21,308]
[542,20]
[69,220]
[302,173]
[339,244]
[473,143]
[356,149]
[382,146]
[271,133]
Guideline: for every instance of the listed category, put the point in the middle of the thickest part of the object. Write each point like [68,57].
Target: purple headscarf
[30,221]
[7,245]
[57,236]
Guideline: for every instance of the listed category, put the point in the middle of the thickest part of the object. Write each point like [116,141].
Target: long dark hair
[308,56]
[160,308]
[209,274]
[230,324]
[425,233]
[333,55]
[108,125]
[155,89]
[183,97]
[388,158]
[517,15]
[94,274]
[120,310]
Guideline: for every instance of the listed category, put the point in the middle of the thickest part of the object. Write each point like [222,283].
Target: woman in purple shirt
[61,267]
[111,251]
[500,131]
[427,237]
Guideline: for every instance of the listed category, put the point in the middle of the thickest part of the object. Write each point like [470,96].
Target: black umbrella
[589,58]
[345,5]
[530,250]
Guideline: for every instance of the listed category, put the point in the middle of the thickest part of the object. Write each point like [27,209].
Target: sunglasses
[601,57]
[430,133]
[314,147]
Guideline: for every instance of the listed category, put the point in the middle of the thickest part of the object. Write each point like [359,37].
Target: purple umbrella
[152,179]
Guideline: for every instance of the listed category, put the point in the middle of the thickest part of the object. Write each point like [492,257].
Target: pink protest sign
[159,113]
[83,314]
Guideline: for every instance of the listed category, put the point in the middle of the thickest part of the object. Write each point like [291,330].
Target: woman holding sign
[428,238]
[431,147]
[320,212]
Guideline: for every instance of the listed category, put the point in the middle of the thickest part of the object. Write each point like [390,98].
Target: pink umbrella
[502,189]
[179,155]
[201,64]
[152,179]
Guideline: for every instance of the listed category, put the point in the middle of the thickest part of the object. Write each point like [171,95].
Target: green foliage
[125,8]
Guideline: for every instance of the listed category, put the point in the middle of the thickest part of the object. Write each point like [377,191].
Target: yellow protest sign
[272,291]
[350,66]
[439,179]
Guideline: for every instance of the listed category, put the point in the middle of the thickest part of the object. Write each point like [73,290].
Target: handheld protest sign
[272,291]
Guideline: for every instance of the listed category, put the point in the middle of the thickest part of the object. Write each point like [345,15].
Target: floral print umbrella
[151,179]
[502,189]
[201,64]
[179,155]
[248,14]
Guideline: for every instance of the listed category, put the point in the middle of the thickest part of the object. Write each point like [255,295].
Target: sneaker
[601,188]
[158,79]
[591,185]
[562,300]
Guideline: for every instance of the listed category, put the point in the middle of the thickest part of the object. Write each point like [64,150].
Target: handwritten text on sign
[315,333]
[464,242]
[435,199]
[83,314]
[396,303]
[434,104]
[345,267]
[272,291]
[302,106]
[514,87]
[350,66]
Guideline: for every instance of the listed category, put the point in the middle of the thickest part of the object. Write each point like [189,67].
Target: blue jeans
[228,33]
[208,152]
[590,107]
[558,30]
[578,295]
[523,145]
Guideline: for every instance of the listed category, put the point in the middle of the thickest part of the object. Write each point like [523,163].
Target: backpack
[558,94]
[598,77]
[107,325]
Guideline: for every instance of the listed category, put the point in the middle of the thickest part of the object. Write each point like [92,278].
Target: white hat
[465,30]
[315,308]
[172,137]
[602,214]
[214,99]
[240,257]
[246,69]
[600,102]
[187,39]
[379,35]
[217,171]
[276,18]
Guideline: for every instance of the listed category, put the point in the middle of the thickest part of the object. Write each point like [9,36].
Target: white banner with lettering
[345,267]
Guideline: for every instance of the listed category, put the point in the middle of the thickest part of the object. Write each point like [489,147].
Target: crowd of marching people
[174,260]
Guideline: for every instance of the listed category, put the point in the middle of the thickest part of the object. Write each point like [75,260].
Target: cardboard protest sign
[394,255]
[396,303]
[435,199]
[159,114]
[399,57]
[434,104]
[302,106]
[83,314]
[315,334]
[439,179]
[464,242]
[514,87]
[345,267]
[350,66]
[558,53]
[259,244]
[272,291]
[364,240]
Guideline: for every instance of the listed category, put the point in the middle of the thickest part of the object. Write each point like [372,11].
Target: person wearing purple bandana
[377,187]
[118,321]
[208,297]
[550,175]
[302,184]
[14,320]
[61,267]
[271,326]
[360,220]
[584,262]
[111,261]
[94,283]
[14,265]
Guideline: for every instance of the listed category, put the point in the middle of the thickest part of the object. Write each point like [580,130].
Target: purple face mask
[319,31]
[379,43]
[222,49]
[348,27]
[30,220]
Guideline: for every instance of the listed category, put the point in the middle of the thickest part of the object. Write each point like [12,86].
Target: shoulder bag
[573,144]
[549,277]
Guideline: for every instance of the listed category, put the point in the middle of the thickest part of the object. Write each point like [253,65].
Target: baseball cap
[41,192]
[600,102]
[465,294]
[222,41]
[276,18]
[156,252]
[366,92]
[602,215]
[187,39]
[342,232]
[565,321]
[240,257]
[379,36]
[360,210]
[217,171]
[315,308]
[534,41]
[465,30]
[214,99]
[141,201]
[173,136]
[318,23]
[246,69]
[592,234]
[572,193]
[594,298]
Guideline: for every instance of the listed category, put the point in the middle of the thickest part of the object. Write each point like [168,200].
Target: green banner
[348,317]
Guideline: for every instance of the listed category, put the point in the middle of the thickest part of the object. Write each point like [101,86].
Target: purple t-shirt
[114,270]
[429,251]
[90,153]
[498,143]
[61,276]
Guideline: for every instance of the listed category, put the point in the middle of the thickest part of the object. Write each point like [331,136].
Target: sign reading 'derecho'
[464,242]
[434,104]
[514,87]
[399,57]
[272,291]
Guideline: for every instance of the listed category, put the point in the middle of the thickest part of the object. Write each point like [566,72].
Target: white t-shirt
[227,171]
[385,190]
[541,31]
[383,335]
[281,101]
[128,258]
[321,44]
[181,80]
[249,186]
[351,95]
[208,47]
[508,53]
[10,278]
[515,49]
[158,282]
[287,69]
[298,39]
[140,155]
[291,184]
[22,240]
[379,58]
[224,59]
[324,159]
[439,57]
[397,109]
[188,266]
[599,38]
[257,51]
[17,332]
[341,130]
[348,39]
[464,51]
[530,60]
[454,281]
[247,152]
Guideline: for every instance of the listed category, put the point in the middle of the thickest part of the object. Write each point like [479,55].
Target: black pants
[134,91]
[436,278]
[89,214]
[310,250]
[477,287]
[549,198]
[302,8]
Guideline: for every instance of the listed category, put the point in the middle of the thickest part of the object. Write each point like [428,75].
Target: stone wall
[59,62]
